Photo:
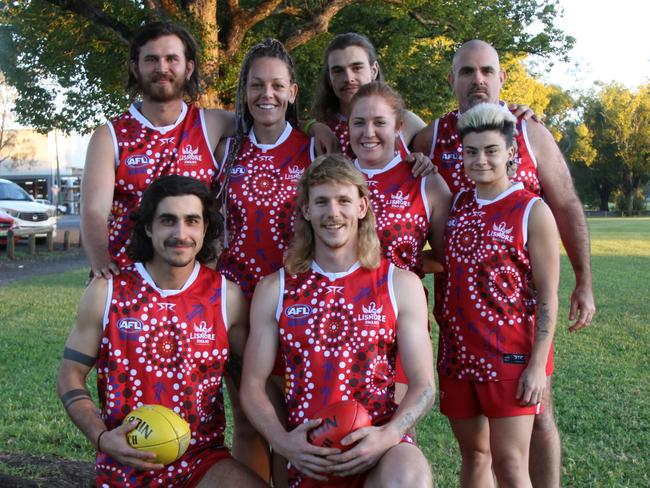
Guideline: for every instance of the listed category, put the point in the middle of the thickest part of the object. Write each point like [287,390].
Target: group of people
[234,253]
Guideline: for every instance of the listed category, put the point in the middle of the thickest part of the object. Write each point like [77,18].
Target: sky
[612,43]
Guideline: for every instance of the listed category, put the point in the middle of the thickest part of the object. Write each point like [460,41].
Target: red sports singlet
[260,210]
[487,331]
[340,129]
[144,153]
[447,154]
[338,340]
[166,347]
[400,203]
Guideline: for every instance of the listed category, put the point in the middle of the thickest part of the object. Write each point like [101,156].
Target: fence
[31,235]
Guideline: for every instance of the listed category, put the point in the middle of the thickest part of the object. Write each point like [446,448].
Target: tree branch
[242,20]
[95,15]
[318,25]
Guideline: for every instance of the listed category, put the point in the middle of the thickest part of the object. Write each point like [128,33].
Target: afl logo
[137,161]
[130,325]
[298,311]
[237,171]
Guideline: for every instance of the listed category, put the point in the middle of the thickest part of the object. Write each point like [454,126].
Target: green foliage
[601,382]
[70,71]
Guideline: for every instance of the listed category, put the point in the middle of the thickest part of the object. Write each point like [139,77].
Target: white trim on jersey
[515,187]
[406,146]
[423,195]
[312,149]
[524,220]
[335,276]
[266,147]
[278,309]
[457,196]
[372,171]
[391,290]
[107,306]
[167,293]
[224,298]
[222,163]
[137,115]
[433,140]
[111,129]
[207,139]
[524,132]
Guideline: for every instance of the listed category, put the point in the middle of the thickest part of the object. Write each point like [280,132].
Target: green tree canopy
[67,58]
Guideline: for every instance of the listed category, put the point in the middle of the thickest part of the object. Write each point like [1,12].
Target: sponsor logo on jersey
[167,140]
[202,334]
[297,314]
[137,161]
[335,289]
[501,233]
[294,173]
[166,306]
[190,155]
[267,158]
[129,327]
[237,171]
[450,159]
[399,200]
[514,358]
[372,314]
[371,183]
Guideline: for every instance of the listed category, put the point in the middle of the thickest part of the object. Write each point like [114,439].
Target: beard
[161,94]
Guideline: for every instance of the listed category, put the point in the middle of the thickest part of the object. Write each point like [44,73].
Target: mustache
[179,243]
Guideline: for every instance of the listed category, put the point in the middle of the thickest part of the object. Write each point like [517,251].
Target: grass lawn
[601,384]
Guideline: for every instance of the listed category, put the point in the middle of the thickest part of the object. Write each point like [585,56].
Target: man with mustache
[159,135]
[476,77]
[160,333]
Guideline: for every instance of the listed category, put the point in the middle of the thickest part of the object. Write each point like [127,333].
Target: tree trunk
[604,200]
[205,15]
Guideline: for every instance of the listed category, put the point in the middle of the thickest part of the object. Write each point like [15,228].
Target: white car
[21,206]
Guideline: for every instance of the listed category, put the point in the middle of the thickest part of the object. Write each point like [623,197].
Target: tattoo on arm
[542,323]
[78,357]
[234,368]
[415,413]
[73,396]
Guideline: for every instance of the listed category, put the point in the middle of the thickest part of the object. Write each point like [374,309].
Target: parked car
[61,208]
[7,222]
[21,206]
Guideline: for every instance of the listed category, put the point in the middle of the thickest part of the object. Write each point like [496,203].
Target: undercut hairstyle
[327,105]
[156,30]
[381,89]
[269,48]
[489,117]
[141,248]
[331,168]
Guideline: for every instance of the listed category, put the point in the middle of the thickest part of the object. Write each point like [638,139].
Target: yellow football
[161,431]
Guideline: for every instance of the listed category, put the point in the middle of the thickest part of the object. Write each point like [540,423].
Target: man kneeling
[357,309]
[160,333]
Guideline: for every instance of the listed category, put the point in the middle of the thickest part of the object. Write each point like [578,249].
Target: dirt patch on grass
[26,471]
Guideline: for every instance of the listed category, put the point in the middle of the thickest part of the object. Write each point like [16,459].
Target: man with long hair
[356,309]
[162,333]
[162,133]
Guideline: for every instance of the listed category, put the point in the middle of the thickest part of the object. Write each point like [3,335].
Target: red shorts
[209,460]
[461,399]
[296,480]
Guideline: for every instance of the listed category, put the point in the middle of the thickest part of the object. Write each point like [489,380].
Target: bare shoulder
[93,304]
[219,123]
[406,284]
[423,140]
[412,125]
[541,216]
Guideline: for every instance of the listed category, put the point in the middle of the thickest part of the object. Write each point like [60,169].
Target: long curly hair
[331,168]
[141,249]
[327,105]
[269,48]
[156,30]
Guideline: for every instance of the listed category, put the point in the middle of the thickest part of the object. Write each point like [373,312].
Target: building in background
[47,166]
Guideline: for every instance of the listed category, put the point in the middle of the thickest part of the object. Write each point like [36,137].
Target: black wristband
[99,438]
